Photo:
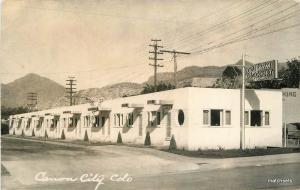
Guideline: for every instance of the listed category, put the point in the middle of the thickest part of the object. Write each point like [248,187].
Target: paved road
[22,160]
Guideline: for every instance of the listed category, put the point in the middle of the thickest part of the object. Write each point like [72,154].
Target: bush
[33,134]
[63,137]
[147,139]
[119,140]
[173,145]
[86,137]
[4,129]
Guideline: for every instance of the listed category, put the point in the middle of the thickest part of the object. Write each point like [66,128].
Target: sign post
[257,72]
[242,131]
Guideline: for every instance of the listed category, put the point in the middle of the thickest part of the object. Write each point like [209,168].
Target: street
[44,165]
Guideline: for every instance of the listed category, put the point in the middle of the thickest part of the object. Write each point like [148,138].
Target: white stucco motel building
[198,118]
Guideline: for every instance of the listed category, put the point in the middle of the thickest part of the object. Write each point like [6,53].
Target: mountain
[107,92]
[52,94]
[14,94]
[186,75]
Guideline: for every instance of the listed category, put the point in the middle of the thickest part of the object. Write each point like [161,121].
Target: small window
[267,118]
[215,116]
[180,117]
[119,120]
[205,117]
[122,120]
[256,118]
[228,117]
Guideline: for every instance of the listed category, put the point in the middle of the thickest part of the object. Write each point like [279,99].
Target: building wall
[191,135]
[291,105]
[228,136]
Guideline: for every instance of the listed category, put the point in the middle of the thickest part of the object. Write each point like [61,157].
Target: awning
[160,102]
[132,105]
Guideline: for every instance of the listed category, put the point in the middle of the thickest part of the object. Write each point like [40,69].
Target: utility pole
[155,59]
[174,52]
[70,89]
[242,135]
[32,100]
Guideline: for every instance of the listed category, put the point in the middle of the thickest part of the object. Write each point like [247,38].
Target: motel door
[140,125]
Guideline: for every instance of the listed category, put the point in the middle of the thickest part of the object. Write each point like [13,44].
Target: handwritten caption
[85,178]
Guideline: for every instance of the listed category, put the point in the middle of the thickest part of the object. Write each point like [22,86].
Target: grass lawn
[232,153]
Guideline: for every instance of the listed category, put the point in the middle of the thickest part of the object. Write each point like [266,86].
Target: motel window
[153,118]
[246,119]
[267,118]
[256,118]
[52,123]
[215,117]
[71,122]
[122,120]
[119,119]
[228,117]
[205,117]
[130,119]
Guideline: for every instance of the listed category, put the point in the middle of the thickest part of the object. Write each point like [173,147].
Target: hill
[14,94]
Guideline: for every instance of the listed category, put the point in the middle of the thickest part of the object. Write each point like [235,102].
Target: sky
[102,42]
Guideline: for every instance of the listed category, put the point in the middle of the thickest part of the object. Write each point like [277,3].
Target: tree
[6,111]
[291,75]
[160,87]
[231,78]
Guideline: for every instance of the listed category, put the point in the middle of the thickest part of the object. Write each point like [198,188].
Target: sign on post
[262,71]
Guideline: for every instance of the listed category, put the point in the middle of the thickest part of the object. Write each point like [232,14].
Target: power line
[155,58]
[224,23]
[244,39]
[174,53]
[32,100]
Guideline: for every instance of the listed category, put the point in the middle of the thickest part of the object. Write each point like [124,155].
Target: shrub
[46,135]
[147,139]
[33,134]
[86,137]
[173,145]
[119,140]
[63,137]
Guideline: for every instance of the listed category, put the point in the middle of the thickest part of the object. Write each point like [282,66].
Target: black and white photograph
[150,94]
